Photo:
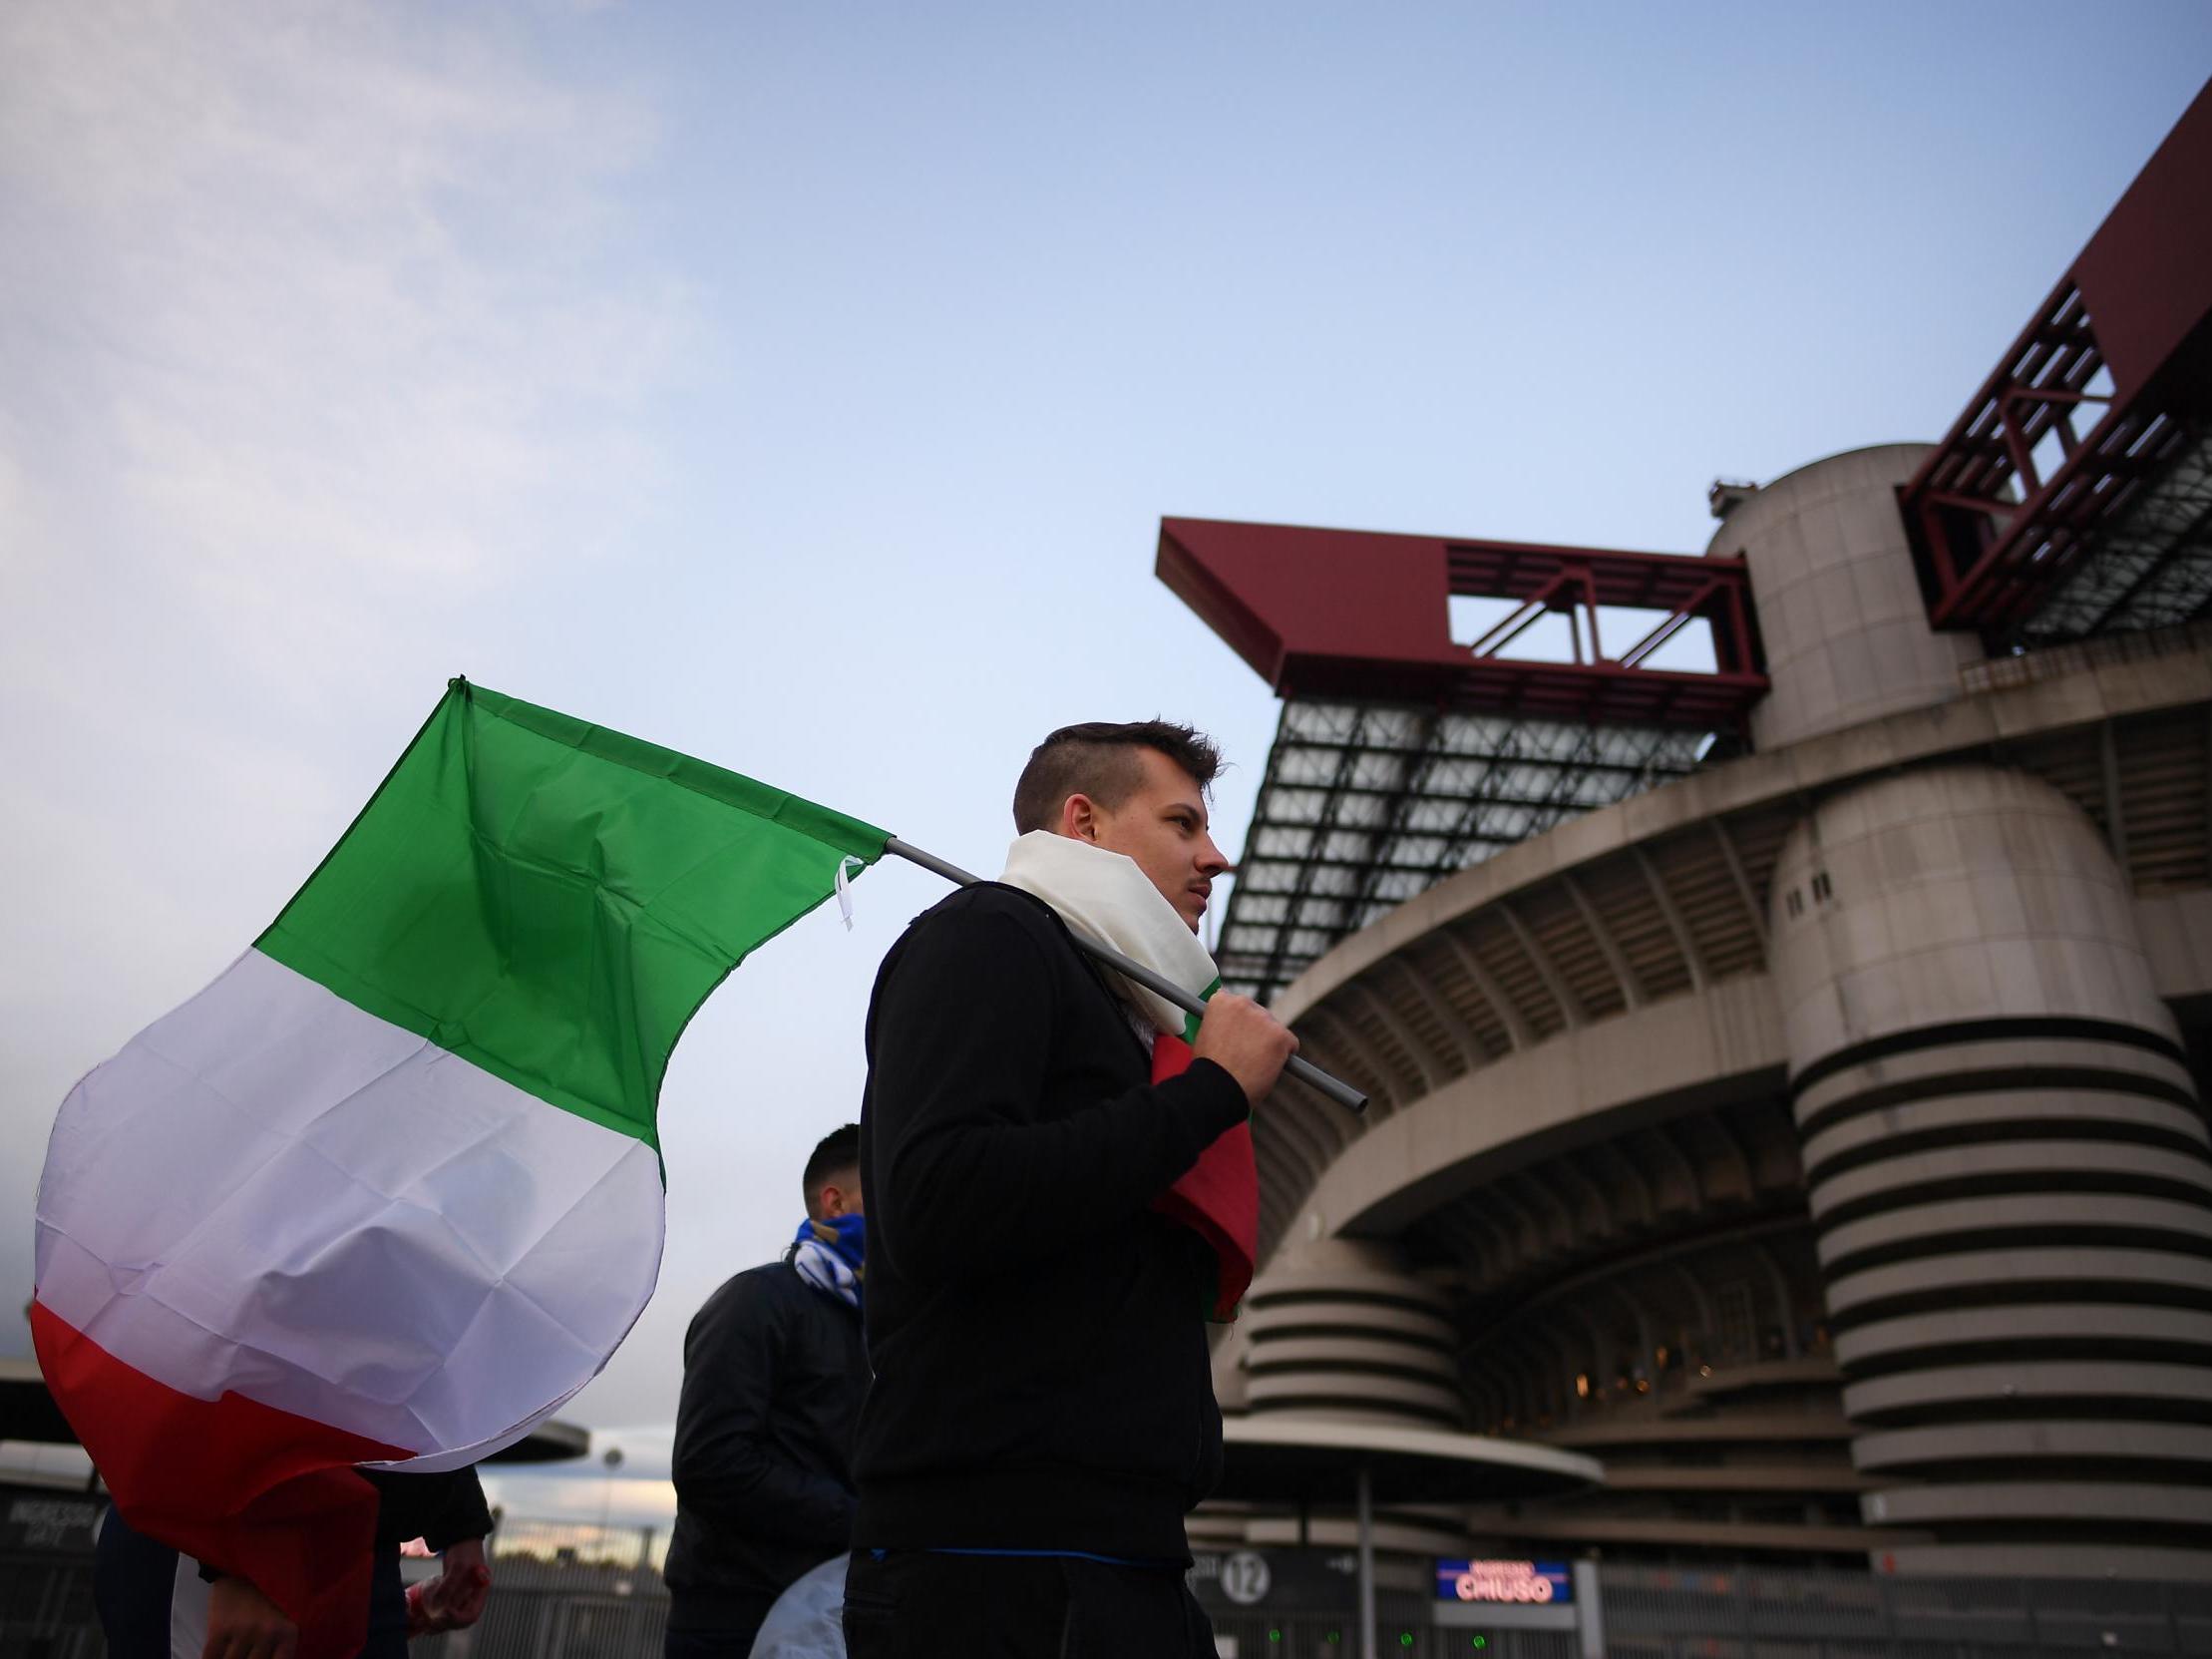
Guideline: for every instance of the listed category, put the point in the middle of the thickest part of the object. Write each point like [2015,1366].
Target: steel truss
[2150,569]
[1366,804]
[2066,499]
[1595,684]
[2032,479]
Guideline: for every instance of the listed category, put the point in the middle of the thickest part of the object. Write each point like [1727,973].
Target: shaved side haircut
[839,1151]
[1099,759]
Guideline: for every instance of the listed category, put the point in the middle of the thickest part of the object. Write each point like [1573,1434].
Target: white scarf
[1108,896]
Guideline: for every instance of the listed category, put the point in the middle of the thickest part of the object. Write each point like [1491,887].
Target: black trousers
[725,1630]
[917,1604]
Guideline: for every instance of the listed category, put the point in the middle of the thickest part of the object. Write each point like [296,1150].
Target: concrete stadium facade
[1816,1138]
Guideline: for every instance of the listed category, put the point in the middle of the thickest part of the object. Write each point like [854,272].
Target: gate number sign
[1245,1578]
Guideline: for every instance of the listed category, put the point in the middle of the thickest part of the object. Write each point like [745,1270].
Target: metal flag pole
[1365,1498]
[1299,1068]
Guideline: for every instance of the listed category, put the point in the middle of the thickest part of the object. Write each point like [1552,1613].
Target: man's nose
[1211,863]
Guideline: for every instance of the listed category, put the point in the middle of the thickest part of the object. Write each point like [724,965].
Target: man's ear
[1079,818]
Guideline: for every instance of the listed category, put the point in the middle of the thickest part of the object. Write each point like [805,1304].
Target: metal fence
[565,1592]
[558,1592]
[1324,1636]
[46,1576]
[589,1592]
[1755,1613]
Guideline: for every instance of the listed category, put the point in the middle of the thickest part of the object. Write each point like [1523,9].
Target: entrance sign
[1520,1583]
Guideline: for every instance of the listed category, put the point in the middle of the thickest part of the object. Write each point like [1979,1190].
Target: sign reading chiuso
[1504,1581]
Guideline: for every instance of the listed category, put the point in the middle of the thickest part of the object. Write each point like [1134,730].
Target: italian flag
[389,1190]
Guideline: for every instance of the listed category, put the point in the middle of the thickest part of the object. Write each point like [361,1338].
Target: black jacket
[1037,1334]
[440,1510]
[773,1373]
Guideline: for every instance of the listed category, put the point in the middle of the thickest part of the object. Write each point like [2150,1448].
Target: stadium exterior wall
[1865,1218]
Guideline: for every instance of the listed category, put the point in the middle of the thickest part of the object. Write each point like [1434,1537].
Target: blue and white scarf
[829,1255]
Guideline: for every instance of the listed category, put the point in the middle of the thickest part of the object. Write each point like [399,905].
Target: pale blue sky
[802,386]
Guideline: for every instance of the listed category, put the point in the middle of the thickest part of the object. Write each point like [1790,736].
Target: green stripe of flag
[551,901]
[1192,1022]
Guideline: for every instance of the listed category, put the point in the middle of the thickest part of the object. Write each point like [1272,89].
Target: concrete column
[2009,1174]
[1841,617]
[1337,1328]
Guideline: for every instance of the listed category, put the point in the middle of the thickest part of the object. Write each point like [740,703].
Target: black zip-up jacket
[773,1374]
[1037,1334]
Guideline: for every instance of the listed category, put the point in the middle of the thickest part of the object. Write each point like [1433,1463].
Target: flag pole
[1299,1068]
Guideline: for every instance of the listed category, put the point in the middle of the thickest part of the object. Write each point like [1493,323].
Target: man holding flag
[388,1191]
[1058,1192]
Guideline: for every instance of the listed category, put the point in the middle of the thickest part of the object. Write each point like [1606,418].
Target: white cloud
[318,286]
[323,336]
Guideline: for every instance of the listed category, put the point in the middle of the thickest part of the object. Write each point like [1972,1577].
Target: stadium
[1782,978]
[1783,983]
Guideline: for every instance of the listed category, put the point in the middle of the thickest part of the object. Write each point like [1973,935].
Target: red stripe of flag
[1218,1199]
[264,1493]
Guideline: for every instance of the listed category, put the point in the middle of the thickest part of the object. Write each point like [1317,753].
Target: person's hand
[242,1623]
[454,1599]
[1246,1040]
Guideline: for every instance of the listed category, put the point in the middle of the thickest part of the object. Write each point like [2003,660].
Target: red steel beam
[1340,613]
[1993,528]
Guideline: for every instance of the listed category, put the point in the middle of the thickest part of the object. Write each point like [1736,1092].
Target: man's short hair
[840,1150]
[1099,759]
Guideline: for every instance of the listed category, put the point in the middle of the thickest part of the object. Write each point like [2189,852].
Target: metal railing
[587,1592]
[1761,1613]
[566,1591]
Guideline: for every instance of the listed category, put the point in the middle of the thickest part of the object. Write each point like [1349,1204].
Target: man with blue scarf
[773,1374]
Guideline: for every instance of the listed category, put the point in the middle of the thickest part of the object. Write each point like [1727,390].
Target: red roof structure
[1354,613]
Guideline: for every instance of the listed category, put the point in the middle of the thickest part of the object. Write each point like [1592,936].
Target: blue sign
[1517,1583]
